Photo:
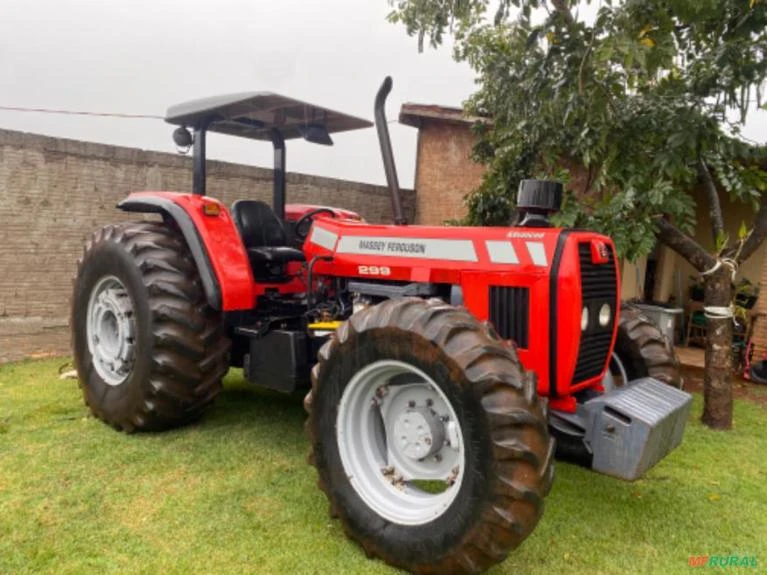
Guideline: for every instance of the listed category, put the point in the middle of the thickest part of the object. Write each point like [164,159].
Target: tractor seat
[275,255]
[263,234]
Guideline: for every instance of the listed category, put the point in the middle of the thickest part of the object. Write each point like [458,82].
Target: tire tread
[189,351]
[513,413]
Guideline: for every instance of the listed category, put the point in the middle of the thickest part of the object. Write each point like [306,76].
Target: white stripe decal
[501,252]
[422,248]
[323,238]
[537,253]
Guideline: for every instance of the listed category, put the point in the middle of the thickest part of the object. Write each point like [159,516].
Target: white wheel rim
[616,368]
[110,330]
[396,428]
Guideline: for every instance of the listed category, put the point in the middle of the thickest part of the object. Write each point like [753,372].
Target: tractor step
[629,430]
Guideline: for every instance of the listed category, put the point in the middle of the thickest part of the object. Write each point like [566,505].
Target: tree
[643,101]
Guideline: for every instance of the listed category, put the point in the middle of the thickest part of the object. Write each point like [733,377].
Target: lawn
[234,494]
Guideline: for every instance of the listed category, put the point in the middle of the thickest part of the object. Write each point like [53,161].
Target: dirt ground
[742,389]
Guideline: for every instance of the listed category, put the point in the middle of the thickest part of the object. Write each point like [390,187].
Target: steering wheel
[303,225]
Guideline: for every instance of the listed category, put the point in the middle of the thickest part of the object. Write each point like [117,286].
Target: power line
[99,114]
[78,113]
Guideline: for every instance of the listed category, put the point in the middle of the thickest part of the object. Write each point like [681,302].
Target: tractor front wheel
[641,350]
[149,351]
[429,440]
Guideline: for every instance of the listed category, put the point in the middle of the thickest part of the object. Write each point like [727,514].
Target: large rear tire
[429,440]
[150,352]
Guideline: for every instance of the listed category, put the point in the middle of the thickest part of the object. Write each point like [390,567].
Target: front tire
[150,353]
[641,350]
[429,440]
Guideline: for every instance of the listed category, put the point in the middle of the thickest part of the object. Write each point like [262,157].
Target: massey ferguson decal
[521,250]
[427,248]
[393,247]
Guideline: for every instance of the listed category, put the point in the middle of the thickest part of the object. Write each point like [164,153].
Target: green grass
[234,495]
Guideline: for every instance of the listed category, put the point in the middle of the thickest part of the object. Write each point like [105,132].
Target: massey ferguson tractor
[440,362]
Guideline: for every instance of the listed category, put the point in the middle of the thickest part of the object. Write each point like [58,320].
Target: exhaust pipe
[386,152]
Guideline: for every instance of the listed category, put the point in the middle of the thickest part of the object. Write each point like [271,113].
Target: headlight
[605,314]
[585,319]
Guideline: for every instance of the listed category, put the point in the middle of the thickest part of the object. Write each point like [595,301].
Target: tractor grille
[510,313]
[599,283]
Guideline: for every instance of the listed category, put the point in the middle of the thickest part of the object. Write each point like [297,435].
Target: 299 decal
[374,270]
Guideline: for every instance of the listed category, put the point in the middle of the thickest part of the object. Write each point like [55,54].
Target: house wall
[632,279]
[54,193]
[445,172]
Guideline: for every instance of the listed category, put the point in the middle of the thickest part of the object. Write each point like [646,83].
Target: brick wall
[445,173]
[54,193]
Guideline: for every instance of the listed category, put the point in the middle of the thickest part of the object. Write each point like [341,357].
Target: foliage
[234,494]
[632,101]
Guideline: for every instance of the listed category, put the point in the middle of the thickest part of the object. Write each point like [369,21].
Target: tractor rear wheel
[428,438]
[149,351]
[641,350]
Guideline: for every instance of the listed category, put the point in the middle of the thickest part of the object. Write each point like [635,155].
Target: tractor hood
[542,288]
[406,249]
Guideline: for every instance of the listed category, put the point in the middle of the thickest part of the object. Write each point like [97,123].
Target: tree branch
[757,235]
[685,246]
[561,7]
[714,207]
[583,60]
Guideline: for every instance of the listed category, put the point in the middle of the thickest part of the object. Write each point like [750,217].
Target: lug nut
[411,403]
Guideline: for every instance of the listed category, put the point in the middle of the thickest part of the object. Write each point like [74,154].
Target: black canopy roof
[253,114]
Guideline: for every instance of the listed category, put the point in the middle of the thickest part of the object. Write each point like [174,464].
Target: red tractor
[440,361]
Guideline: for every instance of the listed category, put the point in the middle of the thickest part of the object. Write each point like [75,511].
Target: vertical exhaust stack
[386,152]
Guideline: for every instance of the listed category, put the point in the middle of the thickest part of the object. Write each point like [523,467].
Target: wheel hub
[418,433]
[111,330]
[400,442]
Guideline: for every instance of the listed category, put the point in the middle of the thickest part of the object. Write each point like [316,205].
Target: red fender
[213,240]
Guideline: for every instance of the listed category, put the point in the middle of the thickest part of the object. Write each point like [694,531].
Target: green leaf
[742,231]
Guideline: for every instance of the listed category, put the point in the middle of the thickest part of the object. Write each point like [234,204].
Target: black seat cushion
[275,255]
[263,234]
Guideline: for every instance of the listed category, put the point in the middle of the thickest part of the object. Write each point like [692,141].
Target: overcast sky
[141,56]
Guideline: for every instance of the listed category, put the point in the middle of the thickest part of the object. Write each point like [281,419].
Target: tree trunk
[717,384]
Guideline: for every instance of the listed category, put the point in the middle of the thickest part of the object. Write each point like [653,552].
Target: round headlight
[605,314]
[585,319]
